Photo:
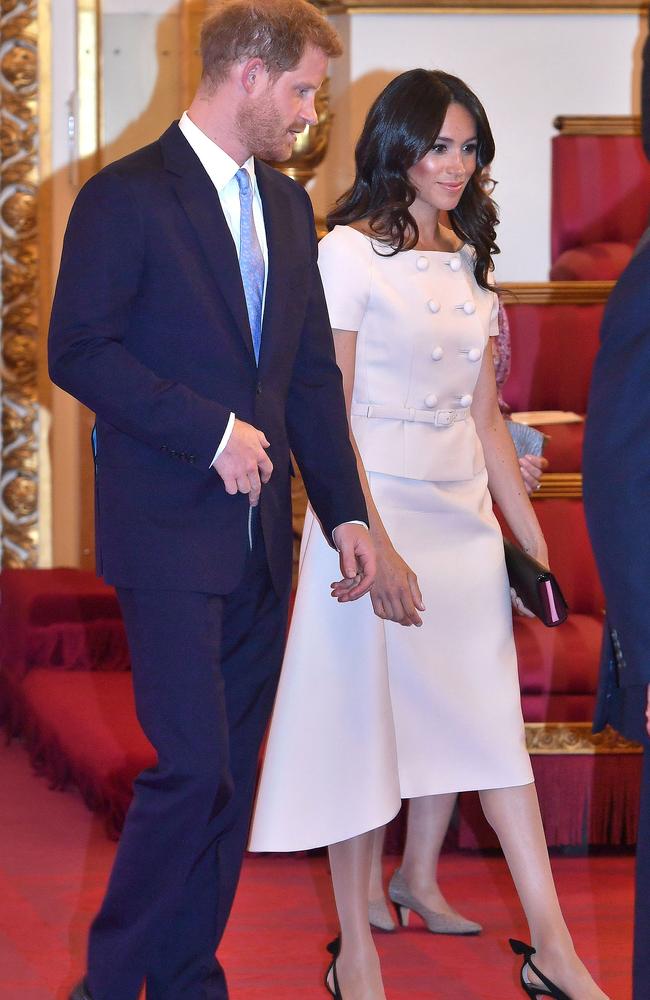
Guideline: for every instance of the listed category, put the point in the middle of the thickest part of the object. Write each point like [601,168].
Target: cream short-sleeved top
[423,325]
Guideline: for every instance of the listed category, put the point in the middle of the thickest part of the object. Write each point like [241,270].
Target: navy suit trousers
[205,671]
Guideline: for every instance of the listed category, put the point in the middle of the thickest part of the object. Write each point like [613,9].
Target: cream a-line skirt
[370,712]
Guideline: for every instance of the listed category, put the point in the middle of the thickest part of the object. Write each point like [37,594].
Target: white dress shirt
[221,169]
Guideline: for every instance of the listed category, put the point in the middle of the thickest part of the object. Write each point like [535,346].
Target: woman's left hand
[532,467]
[539,551]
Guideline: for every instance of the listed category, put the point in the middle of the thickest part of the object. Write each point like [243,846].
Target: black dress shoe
[81,992]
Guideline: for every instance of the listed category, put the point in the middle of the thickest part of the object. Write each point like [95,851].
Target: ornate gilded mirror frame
[24,153]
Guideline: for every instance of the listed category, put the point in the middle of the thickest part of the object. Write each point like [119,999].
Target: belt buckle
[445,418]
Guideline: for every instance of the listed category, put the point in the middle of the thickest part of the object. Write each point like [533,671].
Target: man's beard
[264,133]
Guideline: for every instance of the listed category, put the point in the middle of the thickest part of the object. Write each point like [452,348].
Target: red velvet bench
[65,685]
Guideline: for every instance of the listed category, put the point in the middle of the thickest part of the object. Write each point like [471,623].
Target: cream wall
[141,55]
[525,68]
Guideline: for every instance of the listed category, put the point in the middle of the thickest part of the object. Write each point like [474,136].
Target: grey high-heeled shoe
[379,916]
[437,923]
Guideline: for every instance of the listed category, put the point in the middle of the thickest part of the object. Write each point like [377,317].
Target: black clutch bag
[536,586]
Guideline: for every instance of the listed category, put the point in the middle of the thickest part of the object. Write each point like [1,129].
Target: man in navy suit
[616,471]
[189,315]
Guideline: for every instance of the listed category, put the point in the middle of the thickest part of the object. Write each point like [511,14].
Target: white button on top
[474,354]
[431,401]
[469,308]
[455,264]
[422,263]
[466,400]
[434,306]
[437,353]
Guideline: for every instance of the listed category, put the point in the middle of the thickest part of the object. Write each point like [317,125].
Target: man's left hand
[357,560]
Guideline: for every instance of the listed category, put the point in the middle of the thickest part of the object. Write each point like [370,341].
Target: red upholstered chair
[558,667]
[60,618]
[600,203]
[553,350]
[66,684]
[585,798]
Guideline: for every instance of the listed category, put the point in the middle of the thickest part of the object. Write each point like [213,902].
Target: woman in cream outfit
[368,712]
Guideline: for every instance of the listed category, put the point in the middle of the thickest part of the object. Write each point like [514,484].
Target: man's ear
[251,74]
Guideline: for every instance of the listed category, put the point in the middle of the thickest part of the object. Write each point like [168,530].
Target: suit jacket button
[258,388]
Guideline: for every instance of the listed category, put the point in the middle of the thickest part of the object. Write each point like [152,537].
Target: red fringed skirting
[590,799]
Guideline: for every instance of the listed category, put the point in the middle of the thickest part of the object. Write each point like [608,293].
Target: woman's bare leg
[376,887]
[357,967]
[514,815]
[428,820]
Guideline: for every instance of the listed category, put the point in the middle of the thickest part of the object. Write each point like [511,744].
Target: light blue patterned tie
[251,260]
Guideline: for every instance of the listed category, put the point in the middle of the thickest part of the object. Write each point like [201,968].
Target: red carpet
[54,859]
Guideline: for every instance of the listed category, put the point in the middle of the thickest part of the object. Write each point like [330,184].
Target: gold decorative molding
[576,738]
[483,6]
[559,484]
[598,124]
[567,293]
[19,262]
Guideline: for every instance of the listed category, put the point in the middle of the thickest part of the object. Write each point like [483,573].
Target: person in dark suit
[189,315]
[616,471]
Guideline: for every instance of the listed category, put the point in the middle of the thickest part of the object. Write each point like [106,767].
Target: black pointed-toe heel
[334,947]
[548,989]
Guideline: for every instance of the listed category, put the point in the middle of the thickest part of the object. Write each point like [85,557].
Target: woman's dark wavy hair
[402,126]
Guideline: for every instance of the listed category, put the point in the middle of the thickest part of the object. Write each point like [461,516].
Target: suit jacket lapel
[276,207]
[201,203]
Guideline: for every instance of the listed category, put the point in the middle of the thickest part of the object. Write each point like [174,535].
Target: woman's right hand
[395,594]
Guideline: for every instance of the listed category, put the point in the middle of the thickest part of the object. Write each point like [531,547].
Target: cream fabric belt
[441,418]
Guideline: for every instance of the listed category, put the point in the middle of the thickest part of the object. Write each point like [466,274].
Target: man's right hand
[243,464]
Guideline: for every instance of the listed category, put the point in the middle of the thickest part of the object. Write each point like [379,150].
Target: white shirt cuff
[225,439]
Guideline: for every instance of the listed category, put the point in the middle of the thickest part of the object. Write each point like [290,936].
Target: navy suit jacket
[616,476]
[150,330]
